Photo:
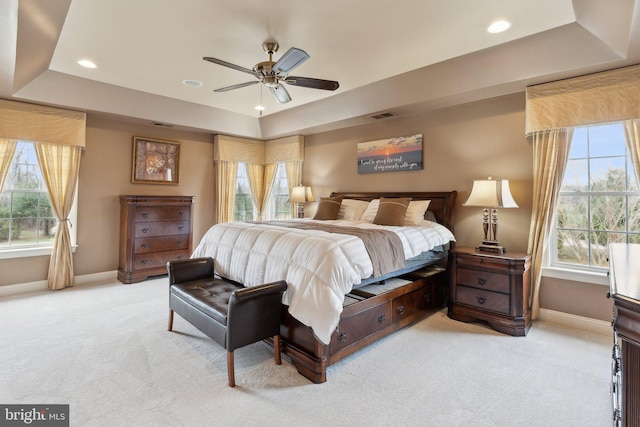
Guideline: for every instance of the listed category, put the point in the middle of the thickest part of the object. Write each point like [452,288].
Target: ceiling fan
[273,74]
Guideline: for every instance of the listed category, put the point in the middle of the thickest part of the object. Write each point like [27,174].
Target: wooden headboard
[442,202]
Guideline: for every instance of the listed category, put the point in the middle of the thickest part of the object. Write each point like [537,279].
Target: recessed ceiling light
[87,63]
[259,108]
[499,26]
[192,83]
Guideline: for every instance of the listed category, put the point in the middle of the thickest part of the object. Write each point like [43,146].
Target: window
[599,201]
[26,216]
[279,202]
[243,205]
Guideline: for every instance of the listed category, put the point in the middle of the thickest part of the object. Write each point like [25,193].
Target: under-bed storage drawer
[407,306]
[359,326]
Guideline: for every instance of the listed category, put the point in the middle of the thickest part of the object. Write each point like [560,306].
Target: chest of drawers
[153,231]
[491,287]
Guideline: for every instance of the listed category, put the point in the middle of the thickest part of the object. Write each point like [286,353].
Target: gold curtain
[633,144]
[60,165]
[225,173]
[255,174]
[261,159]
[294,178]
[30,122]
[609,96]
[7,150]
[550,153]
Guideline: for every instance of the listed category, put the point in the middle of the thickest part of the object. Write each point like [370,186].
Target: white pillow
[371,211]
[352,209]
[415,212]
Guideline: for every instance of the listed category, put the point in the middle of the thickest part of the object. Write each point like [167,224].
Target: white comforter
[320,268]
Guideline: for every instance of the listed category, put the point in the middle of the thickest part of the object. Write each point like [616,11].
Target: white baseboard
[572,321]
[41,285]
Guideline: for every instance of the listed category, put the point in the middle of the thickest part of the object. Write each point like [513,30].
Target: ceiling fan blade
[238,86]
[290,60]
[312,83]
[230,65]
[281,94]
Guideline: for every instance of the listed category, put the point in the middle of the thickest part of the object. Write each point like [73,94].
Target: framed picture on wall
[402,153]
[155,161]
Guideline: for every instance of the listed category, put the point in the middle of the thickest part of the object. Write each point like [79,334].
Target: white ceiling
[402,56]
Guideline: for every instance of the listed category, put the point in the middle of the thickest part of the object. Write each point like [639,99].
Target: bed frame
[371,315]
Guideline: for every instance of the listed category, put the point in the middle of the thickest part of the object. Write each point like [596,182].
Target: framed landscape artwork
[403,153]
[155,161]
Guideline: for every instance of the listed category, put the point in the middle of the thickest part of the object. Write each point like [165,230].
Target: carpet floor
[104,350]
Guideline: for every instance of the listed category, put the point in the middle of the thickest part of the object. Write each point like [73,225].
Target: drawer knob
[180,243]
[382,318]
[481,300]
[145,230]
[401,309]
[180,257]
[145,215]
[181,227]
[180,214]
[144,262]
[342,336]
[481,281]
[144,246]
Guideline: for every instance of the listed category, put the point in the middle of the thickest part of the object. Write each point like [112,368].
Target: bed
[346,288]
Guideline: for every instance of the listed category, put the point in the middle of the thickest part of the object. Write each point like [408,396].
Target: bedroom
[462,142]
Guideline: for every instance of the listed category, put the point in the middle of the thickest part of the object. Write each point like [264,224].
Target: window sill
[29,252]
[592,277]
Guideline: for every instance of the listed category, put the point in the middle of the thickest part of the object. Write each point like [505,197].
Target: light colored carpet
[104,349]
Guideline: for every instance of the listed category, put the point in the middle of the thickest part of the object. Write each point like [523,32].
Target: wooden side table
[491,287]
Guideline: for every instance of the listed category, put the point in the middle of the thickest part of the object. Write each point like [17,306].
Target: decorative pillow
[391,211]
[352,209]
[370,213]
[415,212]
[328,208]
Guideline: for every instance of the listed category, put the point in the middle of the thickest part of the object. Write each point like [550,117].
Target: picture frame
[155,161]
[398,154]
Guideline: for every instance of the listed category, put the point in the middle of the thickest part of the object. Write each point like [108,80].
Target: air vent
[162,125]
[383,115]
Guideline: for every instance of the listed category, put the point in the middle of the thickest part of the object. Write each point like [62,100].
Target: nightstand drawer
[468,260]
[483,280]
[486,300]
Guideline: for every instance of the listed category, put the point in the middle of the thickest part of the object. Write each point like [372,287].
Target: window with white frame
[26,216]
[279,207]
[243,205]
[599,201]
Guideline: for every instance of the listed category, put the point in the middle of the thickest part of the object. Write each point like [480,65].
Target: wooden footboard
[369,314]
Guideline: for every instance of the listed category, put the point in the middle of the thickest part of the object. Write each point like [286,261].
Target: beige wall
[105,174]
[461,144]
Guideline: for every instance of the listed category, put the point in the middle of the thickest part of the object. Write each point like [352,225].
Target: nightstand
[491,287]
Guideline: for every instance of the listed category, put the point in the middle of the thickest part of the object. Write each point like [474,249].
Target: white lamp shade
[301,195]
[491,194]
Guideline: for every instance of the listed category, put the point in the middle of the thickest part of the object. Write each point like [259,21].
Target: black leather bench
[228,313]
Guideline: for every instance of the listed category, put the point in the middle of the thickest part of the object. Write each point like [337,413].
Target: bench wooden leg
[230,369]
[276,349]
[170,320]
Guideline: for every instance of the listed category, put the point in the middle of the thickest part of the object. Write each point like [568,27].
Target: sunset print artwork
[390,155]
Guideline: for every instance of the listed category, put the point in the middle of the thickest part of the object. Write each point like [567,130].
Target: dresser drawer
[483,280]
[158,244]
[486,300]
[161,228]
[163,213]
[466,260]
[158,259]
[353,329]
